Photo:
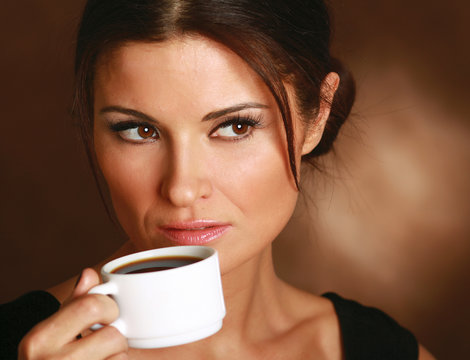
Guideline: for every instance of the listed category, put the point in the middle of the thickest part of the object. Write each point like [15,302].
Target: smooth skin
[185,130]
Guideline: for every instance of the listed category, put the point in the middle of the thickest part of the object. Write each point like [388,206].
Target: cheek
[131,195]
[263,193]
[260,184]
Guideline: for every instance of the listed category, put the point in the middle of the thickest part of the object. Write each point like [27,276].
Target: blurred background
[386,221]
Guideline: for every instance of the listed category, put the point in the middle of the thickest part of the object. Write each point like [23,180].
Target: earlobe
[315,129]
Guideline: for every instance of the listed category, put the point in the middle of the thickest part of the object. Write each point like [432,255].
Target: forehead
[185,69]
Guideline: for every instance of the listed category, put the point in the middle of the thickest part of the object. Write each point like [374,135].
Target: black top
[19,316]
[367,333]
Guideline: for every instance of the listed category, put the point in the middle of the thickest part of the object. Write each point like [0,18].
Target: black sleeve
[369,333]
[19,316]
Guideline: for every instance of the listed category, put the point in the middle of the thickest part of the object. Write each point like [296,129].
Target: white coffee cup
[166,307]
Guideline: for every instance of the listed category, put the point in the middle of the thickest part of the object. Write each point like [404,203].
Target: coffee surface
[155,264]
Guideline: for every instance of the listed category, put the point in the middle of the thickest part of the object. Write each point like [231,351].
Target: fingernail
[78,279]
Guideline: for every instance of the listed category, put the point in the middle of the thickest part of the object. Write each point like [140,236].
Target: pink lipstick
[197,232]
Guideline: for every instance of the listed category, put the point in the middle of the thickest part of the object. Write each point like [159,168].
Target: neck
[254,297]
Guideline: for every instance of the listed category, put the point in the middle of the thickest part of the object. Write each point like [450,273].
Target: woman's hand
[57,336]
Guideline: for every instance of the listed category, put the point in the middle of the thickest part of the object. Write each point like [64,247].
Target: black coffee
[155,264]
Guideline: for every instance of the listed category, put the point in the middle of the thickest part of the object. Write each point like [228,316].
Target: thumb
[87,279]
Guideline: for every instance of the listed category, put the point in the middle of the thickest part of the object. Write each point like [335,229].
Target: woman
[198,114]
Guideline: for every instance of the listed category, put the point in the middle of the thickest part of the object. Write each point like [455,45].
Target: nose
[186,179]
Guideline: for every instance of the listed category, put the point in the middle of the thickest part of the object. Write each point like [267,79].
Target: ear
[315,129]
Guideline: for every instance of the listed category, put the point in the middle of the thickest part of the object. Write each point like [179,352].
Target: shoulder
[19,316]
[63,290]
[312,331]
[424,354]
[369,333]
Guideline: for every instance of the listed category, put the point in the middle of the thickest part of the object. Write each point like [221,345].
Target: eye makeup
[135,131]
[229,127]
[235,128]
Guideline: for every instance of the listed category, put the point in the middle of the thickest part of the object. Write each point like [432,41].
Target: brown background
[386,222]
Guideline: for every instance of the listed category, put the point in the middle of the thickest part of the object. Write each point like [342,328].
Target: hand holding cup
[166,297]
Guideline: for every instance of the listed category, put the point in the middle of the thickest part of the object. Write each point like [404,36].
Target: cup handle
[108,288]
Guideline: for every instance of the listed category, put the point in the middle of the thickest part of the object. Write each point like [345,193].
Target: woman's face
[192,146]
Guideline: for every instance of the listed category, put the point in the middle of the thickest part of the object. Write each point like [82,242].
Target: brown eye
[235,129]
[240,129]
[145,132]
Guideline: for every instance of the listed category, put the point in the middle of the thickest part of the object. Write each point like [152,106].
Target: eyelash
[122,126]
[251,121]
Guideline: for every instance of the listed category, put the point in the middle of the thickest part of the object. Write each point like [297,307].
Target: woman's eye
[145,132]
[233,130]
[139,133]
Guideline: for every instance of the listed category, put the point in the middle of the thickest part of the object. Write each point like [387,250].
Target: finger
[80,314]
[102,344]
[88,279]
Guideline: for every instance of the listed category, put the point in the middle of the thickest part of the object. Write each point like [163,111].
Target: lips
[194,233]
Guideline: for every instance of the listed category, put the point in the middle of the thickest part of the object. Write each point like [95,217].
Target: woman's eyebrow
[210,116]
[125,111]
[219,113]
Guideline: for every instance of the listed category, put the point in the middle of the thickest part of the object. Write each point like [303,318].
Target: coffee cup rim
[198,251]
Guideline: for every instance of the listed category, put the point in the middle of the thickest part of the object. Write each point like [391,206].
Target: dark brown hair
[282,41]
